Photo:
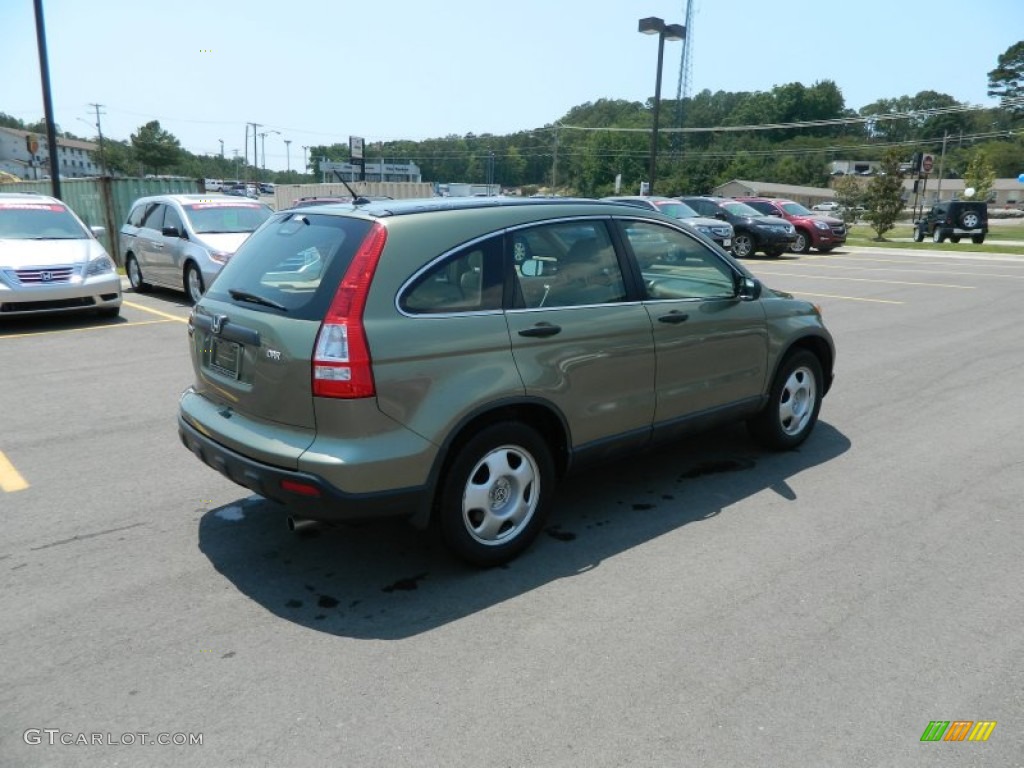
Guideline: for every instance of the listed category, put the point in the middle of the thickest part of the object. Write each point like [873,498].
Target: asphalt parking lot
[708,604]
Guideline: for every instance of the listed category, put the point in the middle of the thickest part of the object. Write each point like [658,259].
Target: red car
[813,230]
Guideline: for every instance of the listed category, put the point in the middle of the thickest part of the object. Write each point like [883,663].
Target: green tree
[117,157]
[849,194]
[1007,80]
[980,174]
[155,148]
[885,194]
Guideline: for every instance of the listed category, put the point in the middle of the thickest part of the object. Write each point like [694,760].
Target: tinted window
[566,264]
[137,214]
[172,219]
[762,207]
[469,280]
[42,221]
[297,260]
[154,218]
[677,266]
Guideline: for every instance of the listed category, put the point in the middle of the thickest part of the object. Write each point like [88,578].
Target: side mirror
[749,288]
[98,231]
[532,268]
[170,232]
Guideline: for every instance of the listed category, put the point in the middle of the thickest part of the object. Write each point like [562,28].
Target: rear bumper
[318,500]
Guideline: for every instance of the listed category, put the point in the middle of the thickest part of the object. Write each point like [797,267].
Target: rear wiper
[255,299]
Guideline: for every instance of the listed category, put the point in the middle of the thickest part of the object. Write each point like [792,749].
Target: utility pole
[221,148]
[288,154]
[942,162]
[44,72]
[305,159]
[554,164]
[99,130]
[255,152]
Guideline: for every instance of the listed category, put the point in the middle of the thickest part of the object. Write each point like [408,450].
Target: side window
[566,264]
[154,218]
[469,280]
[677,266]
[137,214]
[172,219]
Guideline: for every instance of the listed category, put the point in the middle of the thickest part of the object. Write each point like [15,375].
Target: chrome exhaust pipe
[297,524]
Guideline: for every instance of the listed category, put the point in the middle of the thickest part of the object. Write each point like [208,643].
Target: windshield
[678,210]
[213,218]
[39,221]
[741,209]
[796,209]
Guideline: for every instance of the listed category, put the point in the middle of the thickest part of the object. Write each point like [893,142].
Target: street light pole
[288,154]
[655,26]
[305,159]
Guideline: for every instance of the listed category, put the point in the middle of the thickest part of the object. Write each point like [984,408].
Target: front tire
[135,275]
[918,235]
[193,282]
[937,236]
[742,246]
[793,403]
[802,243]
[495,494]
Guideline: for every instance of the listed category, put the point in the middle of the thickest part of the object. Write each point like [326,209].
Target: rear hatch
[254,331]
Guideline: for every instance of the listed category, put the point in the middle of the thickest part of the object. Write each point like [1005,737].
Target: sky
[319,71]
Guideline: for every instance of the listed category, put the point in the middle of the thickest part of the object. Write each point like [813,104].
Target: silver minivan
[182,241]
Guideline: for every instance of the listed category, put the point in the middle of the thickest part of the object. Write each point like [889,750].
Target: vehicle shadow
[388,581]
[26,325]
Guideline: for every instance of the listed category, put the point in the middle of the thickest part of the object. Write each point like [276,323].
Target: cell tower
[685,70]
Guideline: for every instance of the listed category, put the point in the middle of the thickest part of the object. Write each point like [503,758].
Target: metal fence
[106,202]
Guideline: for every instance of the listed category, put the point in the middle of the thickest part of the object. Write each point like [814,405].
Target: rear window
[39,221]
[295,261]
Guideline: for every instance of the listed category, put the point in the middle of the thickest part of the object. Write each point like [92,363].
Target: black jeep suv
[953,219]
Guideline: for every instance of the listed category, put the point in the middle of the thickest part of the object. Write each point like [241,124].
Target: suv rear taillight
[341,361]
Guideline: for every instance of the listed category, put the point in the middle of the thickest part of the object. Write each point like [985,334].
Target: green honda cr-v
[449,360]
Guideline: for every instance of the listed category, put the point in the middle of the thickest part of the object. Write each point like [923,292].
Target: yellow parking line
[169,316]
[4,336]
[872,280]
[10,479]
[847,298]
[916,268]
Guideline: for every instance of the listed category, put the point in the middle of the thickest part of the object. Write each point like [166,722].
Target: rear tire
[495,494]
[977,239]
[793,403]
[954,238]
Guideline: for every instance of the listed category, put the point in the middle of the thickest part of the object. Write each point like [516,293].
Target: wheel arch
[818,347]
[538,414]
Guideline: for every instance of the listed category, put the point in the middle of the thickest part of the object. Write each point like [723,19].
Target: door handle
[674,317]
[541,330]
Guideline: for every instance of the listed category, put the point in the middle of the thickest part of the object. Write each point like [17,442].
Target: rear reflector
[303,489]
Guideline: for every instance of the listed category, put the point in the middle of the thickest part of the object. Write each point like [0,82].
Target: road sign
[927,162]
